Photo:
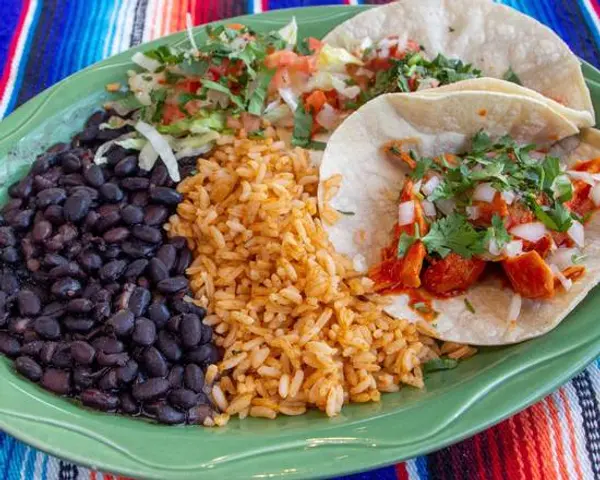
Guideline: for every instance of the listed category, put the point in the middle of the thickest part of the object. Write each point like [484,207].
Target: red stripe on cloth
[541,429]
[528,446]
[265,5]
[596,6]
[480,465]
[10,57]
[401,472]
[510,449]
[496,465]
[571,430]
[556,427]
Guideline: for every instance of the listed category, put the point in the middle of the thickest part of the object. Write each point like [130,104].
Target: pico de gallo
[185,98]
[500,205]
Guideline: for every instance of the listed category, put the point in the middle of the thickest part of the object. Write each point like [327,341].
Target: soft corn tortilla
[492,37]
[435,124]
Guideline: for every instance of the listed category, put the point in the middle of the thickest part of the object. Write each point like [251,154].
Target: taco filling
[500,207]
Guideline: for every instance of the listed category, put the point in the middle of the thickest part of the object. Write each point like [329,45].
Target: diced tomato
[397,273]
[529,275]
[250,122]
[543,246]
[574,272]
[518,214]
[581,203]
[315,101]
[412,83]
[189,85]
[591,166]
[281,79]
[172,113]
[452,274]
[376,64]
[280,58]
[412,46]
[487,210]
[314,44]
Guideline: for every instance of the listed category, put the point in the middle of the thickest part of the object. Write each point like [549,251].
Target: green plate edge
[456,404]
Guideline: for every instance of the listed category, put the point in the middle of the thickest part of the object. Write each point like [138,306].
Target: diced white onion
[359,263]
[328,117]
[365,72]
[531,232]
[595,194]
[289,97]
[160,144]
[406,213]
[566,282]
[563,257]
[350,92]
[428,208]
[417,187]
[587,177]
[514,248]
[145,62]
[515,308]
[446,206]
[484,192]
[384,52]
[508,196]
[387,42]
[431,185]
[188,26]
[366,43]
[472,212]
[493,248]
[577,233]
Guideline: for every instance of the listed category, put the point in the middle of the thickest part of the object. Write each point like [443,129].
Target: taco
[427,43]
[472,211]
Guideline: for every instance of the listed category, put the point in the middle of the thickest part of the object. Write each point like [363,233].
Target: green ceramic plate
[456,404]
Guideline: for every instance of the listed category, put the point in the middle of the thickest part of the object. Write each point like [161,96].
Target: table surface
[43,41]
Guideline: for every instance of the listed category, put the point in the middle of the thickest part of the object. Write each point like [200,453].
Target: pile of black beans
[92,291]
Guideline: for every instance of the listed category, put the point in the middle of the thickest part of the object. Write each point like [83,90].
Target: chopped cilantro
[469,305]
[259,94]
[316,145]
[173,77]
[511,76]
[438,364]
[303,122]
[423,165]
[158,100]
[497,233]
[302,47]
[257,135]
[165,55]
[557,217]
[577,259]
[453,234]
[562,188]
[404,243]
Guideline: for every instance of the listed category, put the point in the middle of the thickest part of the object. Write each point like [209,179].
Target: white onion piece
[145,62]
[577,233]
[350,92]
[431,185]
[384,52]
[446,206]
[484,192]
[493,248]
[428,208]
[359,263]
[595,194]
[514,248]
[328,117]
[587,177]
[160,144]
[473,212]
[406,213]
[566,282]
[365,72]
[515,308]
[289,97]
[563,257]
[417,187]
[531,232]
[508,196]
[387,42]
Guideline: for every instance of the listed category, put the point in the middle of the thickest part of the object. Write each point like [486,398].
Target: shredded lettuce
[334,59]
[290,32]
[207,121]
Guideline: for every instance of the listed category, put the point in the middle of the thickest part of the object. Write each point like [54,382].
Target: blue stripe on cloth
[422,468]
[275,4]
[7,448]
[385,473]
[30,465]
[16,461]
[589,19]
[66,51]
[590,413]
[10,13]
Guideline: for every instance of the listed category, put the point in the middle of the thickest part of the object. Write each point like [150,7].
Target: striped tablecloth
[43,41]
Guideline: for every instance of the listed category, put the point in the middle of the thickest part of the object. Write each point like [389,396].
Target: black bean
[136,268]
[22,220]
[80,305]
[174,322]
[146,233]
[112,359]
[167,254]
[122,322]
[76,207]
[139,198]
[52,260]
[109,380]
[29,368]
[175,376]
[197,415]
[168,345]
[111,192]
[155,215]
[207,334]
[169,416]
[132,215]
[172,285]
[112,271]
[183,398]
[139,301]
[41,231]
[67,232]
[29,303]
[157,270]
[193,377]
[94,175]
[22,188]
[203,355]
[183,261]
[50,196]
[108,345]
[54,309]
[85,190]
[32,349]
[159,175]
[135,183]
[9,283]
[137,249]
[62,356]
[9,346]
[72,180]
[89,134]
[55,214]
[47,352]
[128,372]
[83,377]
[99,400]
[128,404]
[116,235]
[190,330]
[82,352]
[127,166]
[47,327]
[57,381]
[90,261]
[66,287]
[40,183]
[151,389]
[18,325]
[165,195]
[70,163]
[144,332]
[69,269]
[9,255]
[178,242]
[42,163]
[7,237]
[115,154]
[155,363]
[159,314]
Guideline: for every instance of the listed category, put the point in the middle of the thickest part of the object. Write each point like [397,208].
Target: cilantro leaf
[158,100]
[551,167]
[557,217]
[562,188]
[303,122]
[406,241]
[481,142]
[453,234]
[497,233]
[316,145]
[423,165]
[439,364]
[469,305]
[511,76]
